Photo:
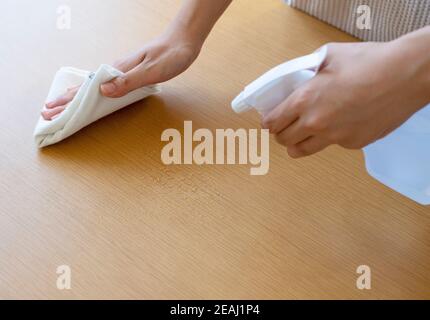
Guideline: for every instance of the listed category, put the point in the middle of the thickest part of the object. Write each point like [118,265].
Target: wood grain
[103,203]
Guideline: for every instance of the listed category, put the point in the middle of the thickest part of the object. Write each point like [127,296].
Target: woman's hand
[159,61]
[162,59]
[362,92]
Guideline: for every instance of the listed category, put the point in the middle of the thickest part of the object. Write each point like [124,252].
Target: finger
[60,101]
[307,147]
[74,89]
[63,99]
[293,134]
[128,63]
[49,114]
[132,80]
[282,116]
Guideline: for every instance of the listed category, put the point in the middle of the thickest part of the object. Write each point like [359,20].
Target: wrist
[178,31]
[413,50]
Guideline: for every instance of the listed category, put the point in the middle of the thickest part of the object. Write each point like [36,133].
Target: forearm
[414,50]
[196,19]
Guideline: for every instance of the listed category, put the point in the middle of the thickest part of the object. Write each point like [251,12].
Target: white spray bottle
[274,86]
[401,160]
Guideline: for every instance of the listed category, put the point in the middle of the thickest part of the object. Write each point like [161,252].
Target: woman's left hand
[362,92]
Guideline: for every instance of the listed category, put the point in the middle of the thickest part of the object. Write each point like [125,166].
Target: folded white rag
[87,106]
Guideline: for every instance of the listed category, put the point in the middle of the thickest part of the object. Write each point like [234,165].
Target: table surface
[103,203]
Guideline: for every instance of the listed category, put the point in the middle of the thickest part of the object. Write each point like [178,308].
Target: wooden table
[103,203]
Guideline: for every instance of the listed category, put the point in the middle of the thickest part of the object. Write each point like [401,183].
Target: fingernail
[45,115]
[108,88]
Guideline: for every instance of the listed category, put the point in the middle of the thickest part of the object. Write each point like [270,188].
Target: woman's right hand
[160,60]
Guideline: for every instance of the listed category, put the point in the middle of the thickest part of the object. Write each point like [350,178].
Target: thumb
[124,84]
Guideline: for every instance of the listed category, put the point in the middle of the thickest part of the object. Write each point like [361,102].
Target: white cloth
[88,105]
